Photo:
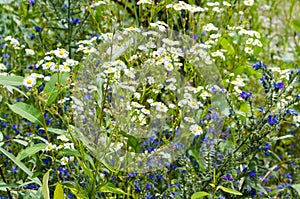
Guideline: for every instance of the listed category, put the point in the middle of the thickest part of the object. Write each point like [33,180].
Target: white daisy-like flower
[296,119]
[48,65]
[225,3]
[210,27]
[193,104]
[69,145]
[249,2]
[63,138]
[189,119]
[257,43]
[168,66]
[161,107]
[249,41]
[196,129]
[137,105]
[64,160]
[61,53]
[64,68]
[70,62]
[29,81]
[249,50]
[37,75]
[238,82]
[50,147]
[110,70]
[144,2]
[2,67]
[29,52]
[145,111]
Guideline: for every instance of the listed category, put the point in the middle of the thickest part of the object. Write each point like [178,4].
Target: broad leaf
[231,191]
[11,80]
[27,111]
[110,188]
[297,188]
[199,194]
[29,151]
[45,188]
[59,192]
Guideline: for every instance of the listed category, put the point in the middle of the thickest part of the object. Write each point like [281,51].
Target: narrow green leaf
[12,88]
[17,162]
[78,194]
[45,188]
[27,111]
[297,188]
[11,80]
[199,194]
[57,131]
[59,192]
[110,188]
[231,191]
[29,151]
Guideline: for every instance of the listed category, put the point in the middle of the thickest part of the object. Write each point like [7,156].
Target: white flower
[238,82]
[29,52]
[61,53]
[110,70]
[50,147]
[249,2]
[47,78]
[249,41]
[29,81]
[225,3]
[168,66]
[161,107]
[63,138]
[296,119]
[257,43]
[144,2]
[210,27]
[196,130]
[249,50]
[36,75]
[69,145]
[189,119]
[48,65]
[2,67]
[145,111]
[70,62]
[64,160]
[64,68]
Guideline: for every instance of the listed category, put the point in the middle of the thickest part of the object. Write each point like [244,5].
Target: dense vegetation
[149,99]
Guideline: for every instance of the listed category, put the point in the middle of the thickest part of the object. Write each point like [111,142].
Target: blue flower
[38,28]
[252,173]
[278,85]
[272,119]
[75,21]
[245,95]
[31,2]
[31,35]
[259,65]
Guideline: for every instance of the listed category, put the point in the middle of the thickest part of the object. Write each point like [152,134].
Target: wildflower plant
[149,99]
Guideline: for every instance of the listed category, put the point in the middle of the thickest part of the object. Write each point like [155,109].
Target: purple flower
[31,35]
[279,85]
[272,119]
[252,173]
[37,28]
[75,21]
[31,2]
[259,65]
[245,95]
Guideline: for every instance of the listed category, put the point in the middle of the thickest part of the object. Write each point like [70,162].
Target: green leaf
[29,151]
[51,91]
[17,162]
[69,152]
[227,46]
[297,188]
[59,192]
[201,163]
[199,194]
[245,108]
[27,111]
[78,194]
[296,24]
[58,131]
[12,88]
[45,188]
[11,80]
[110,188]
[231,191]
